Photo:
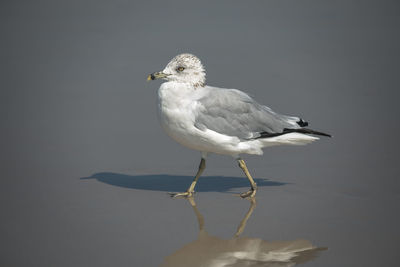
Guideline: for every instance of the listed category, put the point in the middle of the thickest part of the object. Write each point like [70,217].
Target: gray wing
[234,113]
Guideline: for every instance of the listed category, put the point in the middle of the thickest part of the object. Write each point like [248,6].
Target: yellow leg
[242,224]
[200,218]
[190,190]
[253,189]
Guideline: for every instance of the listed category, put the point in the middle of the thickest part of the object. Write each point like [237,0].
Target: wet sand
[86,169]
[90,221]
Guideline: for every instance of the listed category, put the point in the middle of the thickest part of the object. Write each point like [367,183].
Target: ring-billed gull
[219,120]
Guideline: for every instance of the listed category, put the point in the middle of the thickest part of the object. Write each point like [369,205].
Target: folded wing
[234,113]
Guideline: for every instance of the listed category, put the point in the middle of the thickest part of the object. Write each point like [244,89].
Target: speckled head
[184,68]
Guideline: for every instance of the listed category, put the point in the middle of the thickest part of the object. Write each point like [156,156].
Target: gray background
[74,103]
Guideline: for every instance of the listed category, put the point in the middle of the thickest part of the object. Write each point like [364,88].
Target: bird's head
[184,68]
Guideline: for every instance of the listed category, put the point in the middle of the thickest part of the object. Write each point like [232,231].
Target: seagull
[219,120]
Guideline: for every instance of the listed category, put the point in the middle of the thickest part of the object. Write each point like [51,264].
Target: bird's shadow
[177,183]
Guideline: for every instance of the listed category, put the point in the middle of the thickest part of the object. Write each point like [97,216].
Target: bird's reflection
[213,251]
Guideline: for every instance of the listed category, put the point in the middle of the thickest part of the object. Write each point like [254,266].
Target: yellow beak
[156,75]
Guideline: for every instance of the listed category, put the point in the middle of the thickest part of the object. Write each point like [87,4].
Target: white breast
[175,110]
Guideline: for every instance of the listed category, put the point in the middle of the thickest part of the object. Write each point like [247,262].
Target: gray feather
[234,113]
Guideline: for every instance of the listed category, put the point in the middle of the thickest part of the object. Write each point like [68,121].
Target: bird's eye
[180,69]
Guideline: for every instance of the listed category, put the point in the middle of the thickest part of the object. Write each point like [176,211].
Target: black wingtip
[302,123]
[309,131]
[286,131]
